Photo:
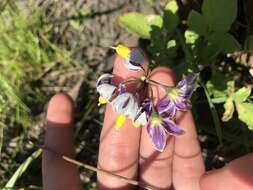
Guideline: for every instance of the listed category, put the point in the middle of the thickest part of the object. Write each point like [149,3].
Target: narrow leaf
[22,168]
[229,109]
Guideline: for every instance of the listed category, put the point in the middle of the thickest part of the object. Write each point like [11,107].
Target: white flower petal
[142,119]
[106,90]
[126,104]
[104,79]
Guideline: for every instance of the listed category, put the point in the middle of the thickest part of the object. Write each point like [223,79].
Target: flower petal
[166,108]
[121,88]
[141,119]
[104,79]
[146,106]
[188,79]
[126,104]
[158,136]
[106,90]
[135,59]
[186,93]
[171,127]
[182,104]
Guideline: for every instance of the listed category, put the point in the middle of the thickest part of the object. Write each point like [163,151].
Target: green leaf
[224,41]
[190,37]
[245,113]
[242,94]
[229,109]
[135,23]
[197,23]
[219,86]
[140,24]
[154,20]
[171,44]
[170,18]
[172,6]
[219,14]
[22,168]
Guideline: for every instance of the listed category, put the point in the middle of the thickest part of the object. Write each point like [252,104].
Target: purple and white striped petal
[146,107]
[171,127]
[135,59]
[158,136]
[126,104]
[166,108]
[182,104]
[188,79]
[187,92]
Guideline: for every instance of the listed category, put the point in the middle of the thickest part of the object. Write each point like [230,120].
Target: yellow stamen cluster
[120,121]
[155,120]
[101,101]
[174,93]
[122,50]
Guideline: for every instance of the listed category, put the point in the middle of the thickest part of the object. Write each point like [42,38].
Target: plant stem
[95,169]
[213,112]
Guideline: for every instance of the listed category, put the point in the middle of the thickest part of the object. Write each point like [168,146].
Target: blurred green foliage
[23,52]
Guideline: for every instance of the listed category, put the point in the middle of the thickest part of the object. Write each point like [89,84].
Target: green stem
[214,113]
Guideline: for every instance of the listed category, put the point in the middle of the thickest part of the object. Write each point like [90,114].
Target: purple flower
[158,128]
[178,98]
[161,124]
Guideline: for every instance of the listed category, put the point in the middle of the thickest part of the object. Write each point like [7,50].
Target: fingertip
[163,74]
[60,109]
[238,174]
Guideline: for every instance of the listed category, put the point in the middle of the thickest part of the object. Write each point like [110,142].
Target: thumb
[238,174]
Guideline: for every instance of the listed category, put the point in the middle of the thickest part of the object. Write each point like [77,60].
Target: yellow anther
[122,50]
[136,125]
[143,78]
[101,101]
[120,121]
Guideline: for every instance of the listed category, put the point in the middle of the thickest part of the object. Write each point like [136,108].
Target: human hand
[129,152]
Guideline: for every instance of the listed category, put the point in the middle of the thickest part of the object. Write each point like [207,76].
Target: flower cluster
[139,105]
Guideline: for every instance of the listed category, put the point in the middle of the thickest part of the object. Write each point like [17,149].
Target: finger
[156,167]
[188,164]
[57,173]
[119,148]
[236,175]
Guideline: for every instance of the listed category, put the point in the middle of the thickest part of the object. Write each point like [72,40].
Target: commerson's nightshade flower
[139,106]
[134,58]
[178,98]
[158,129]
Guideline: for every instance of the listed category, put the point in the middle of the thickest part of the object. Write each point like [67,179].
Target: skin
[129,152]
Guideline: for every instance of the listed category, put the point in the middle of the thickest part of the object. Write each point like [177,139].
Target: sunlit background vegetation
[47,46]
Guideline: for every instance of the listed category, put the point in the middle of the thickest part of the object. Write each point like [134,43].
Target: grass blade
[22,168]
